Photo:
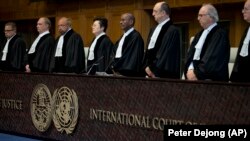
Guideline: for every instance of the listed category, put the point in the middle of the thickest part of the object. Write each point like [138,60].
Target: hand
[149,72]
[191,75]
[27,68]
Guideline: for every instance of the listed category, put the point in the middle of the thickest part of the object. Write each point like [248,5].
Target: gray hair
[212,12]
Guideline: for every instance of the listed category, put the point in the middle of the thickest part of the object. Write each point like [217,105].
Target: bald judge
[162,57]
[69,54]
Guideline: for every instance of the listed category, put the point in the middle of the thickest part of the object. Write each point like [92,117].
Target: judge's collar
[211,27]
[44,33]
[163,22]
[129,31]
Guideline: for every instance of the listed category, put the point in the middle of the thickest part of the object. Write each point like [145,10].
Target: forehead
[203,10]
[96,22]
[247,3]
[62,21]
[40,21]
[8,27]
[124,16]
[157,7]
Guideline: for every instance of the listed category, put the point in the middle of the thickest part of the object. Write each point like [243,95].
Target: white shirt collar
[163,22]
[211,27]
[129,31]
[98,36]
[44,33]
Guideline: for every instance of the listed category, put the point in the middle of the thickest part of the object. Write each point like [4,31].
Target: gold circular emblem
[65,115]
[40,106]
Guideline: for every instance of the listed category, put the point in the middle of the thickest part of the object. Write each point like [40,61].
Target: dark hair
[103,22]
[165,7]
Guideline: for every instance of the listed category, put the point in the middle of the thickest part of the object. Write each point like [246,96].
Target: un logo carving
[41,107]
[65,114]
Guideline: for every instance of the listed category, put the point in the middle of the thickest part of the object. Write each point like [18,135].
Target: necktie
[59,46]
[5,50]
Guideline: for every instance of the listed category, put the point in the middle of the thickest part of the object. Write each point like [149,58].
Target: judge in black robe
[72,59]
[241,69]
[130,61]
[14,60]
[163,60]
[103,48]
[39,60]
[215,52]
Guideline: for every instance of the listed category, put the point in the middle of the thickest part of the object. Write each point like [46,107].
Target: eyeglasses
[202,15]
[8,30]
[245,9]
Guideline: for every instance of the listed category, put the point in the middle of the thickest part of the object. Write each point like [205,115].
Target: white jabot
[244,49]
[118,53]
[34,44]
[59,46]
[5,50]
[156,34]
[200,43]
[92,47]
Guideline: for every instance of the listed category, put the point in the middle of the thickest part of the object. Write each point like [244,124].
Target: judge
[69,54]
[129,49]
[14,50]
[100,51]
[40,52]
[162,57]
[241,69]
[208,56]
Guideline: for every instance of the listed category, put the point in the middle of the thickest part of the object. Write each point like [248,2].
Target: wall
[82,13]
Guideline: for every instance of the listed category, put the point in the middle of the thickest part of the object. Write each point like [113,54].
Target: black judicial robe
[214,57]
[15,59]
[102,53]
[164,59]
[241,69]
[39,61]
[73,57]
[130,63]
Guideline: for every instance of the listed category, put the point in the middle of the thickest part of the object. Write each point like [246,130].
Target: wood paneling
[82,13]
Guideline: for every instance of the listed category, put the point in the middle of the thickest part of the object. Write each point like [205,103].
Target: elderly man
[40,52]
[162,57]
[208,55]
[69,54]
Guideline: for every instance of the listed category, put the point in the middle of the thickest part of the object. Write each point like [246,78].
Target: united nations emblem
[65,103]
[40,106]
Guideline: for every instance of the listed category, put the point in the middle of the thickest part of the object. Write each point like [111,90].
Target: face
[125,22]
[204,19]
[158,13]
[42,26]
[96,28]
[246,11]
[62,26]
[9,31]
